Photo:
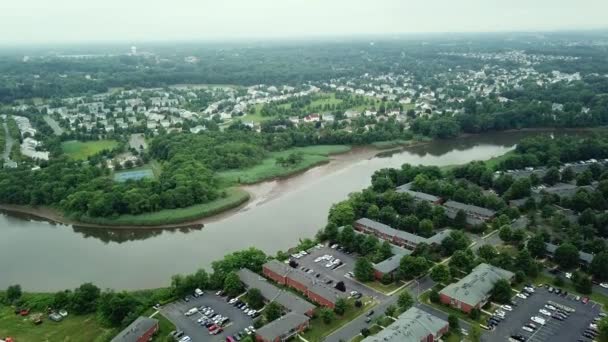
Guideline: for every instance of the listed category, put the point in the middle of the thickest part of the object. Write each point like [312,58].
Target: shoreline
[56,217]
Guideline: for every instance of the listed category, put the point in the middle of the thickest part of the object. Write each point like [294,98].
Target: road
[8,146]
[353,328]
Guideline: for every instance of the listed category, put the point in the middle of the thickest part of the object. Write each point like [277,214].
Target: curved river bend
[47,257]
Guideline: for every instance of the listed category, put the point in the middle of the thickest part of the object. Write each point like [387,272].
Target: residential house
[141,330]
[414,325]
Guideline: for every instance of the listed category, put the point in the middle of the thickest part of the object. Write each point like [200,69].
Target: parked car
[545,312]
[506,307]
[528,329]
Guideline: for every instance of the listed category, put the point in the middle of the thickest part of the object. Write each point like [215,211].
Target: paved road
[353,328]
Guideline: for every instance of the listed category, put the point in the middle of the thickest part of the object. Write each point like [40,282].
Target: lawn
[386,289]
[82,150]
[319,330]
[234,198]
[268,168]
[72,328]
[164,325]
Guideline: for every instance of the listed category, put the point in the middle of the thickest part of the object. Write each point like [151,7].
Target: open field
[82,150]
[234,198]
[72,328]
[134,174]
[268,169]
[386,289]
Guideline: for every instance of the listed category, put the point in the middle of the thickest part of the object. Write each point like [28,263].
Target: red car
[213,327]
[217,331]
[24,312]
[585,300]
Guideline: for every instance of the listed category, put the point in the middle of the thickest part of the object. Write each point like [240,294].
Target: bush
[386,279]
[558,281]
[475,314]
[434,296]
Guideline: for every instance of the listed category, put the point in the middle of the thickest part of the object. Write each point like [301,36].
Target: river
[44,256]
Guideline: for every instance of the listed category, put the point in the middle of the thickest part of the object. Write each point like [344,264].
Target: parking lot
[570,329]
[338,274]
[189,325]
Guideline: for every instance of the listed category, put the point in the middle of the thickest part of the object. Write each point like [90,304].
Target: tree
[390,311]
[487,252]
[255,298]
[552,176]
[474,314]
[599,266]
[13,293]
[440,274]
[411,266]
[61,299]
[342,214]
[566,256]
[347,237]
[505,233]
[84,299]
[365,332]
[536,246]
[602,327]
[460,220]
[453,322]
[405,301]
[327,315]
[434,296]
[272,311]
[331,232]
[115,307]
[341,306]
[364,270]
[384,252]
[582,283]
[501,292]
[232,285]
[475,333]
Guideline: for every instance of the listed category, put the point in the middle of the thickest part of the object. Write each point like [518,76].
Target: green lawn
[319,330]
[72,328]
[234,198]
[386,289]
[81,150]
[268,169]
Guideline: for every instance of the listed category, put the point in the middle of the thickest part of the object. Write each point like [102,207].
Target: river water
[44,256]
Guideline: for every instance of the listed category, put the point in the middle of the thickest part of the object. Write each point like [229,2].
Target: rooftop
[470,209]
[388,230]
[414,325]
[271,292]
[282,326]
[475,287]
[135,330]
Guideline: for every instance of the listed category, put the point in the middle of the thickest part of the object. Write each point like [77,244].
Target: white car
[545,312]
[528,329]
[604,285]
[185,339]
[318,259]
[522,296]
[248,331]
[232,301]
[593,326]
[303,252]
[329,264]
[568,275]
[538,320]
[529,289]
[251,329]
[191,312]
[506,307]
[550,307]
[500,313]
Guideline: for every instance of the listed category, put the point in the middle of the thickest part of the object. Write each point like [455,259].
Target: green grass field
[82,150]
[268,169]
[72,328]
[386,289]
[234,198]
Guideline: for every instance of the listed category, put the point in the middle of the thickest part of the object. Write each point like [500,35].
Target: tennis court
[133,175]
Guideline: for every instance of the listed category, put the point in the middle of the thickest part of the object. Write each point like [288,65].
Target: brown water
[42,256]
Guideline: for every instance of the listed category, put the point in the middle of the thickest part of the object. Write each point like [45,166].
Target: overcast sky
[27,21]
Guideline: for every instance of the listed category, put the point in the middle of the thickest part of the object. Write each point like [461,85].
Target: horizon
[30,22]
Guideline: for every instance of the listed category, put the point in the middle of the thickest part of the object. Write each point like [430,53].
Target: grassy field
[81,150]
[378,286]
[72,328]
[268,169]
[319,330]
[234,198]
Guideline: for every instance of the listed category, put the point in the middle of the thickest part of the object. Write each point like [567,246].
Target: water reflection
[125,235]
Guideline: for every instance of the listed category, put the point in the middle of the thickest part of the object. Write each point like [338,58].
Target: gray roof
[271,292]
[470,209]
[388,265]
[135,330]
[582,256]
[475,287]
[388,230]
[411,326]
[305,279]
[421,196]
[283,326]
[439,237]
[564,189]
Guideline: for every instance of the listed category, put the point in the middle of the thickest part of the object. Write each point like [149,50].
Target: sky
[53,21]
